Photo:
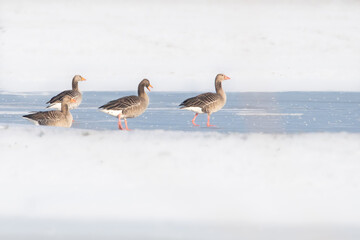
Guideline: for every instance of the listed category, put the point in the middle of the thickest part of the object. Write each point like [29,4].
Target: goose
[62,118]
[129,106]
[207,102]
[55,102]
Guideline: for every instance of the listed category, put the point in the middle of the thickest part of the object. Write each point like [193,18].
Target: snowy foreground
[85,184]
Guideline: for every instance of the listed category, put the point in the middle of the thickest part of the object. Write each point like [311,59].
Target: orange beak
[73,100]
[226,77]
[149,88]
[83,79]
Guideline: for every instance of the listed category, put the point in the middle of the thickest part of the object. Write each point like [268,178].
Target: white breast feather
[58,106]
[114,113]
[194,109]
[55,106]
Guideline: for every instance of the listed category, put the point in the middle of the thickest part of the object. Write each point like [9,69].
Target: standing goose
[55,102]
[207,102]
[62,118]
[129,106]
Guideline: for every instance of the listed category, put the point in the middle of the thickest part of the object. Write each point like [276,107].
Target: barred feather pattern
[51,118]
[208,102]
[56,100]
[131,106]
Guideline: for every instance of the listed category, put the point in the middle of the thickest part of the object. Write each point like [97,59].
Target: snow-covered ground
[159,184]
[180,45]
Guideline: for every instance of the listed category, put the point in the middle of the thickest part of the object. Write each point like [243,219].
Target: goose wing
[122,103]
[201,100]
[43,118]
[58,98]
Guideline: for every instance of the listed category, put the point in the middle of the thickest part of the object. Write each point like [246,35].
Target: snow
[180,45]
[194,178]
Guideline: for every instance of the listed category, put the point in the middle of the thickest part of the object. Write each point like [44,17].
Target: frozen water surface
[282,112]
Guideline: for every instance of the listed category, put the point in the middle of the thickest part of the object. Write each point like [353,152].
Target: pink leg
[126,127]
[208,122]
[119,122]
[193,121]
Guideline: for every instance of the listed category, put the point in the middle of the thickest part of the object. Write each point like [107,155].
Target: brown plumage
[207,102]
[55,102]
[62,118]
[129,106]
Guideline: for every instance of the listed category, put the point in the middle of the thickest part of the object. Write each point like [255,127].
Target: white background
[180,45]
